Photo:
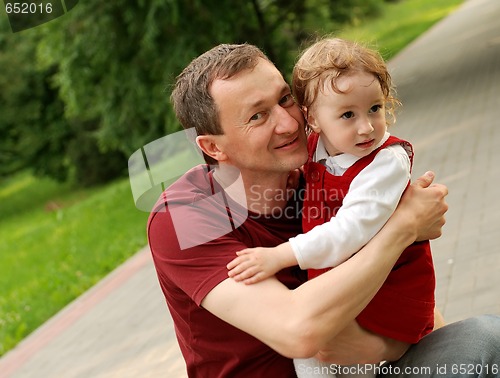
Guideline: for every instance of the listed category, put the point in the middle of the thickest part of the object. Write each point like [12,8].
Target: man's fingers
[442,188]
[425,180]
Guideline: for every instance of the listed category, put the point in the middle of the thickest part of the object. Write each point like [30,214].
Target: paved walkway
[449,81]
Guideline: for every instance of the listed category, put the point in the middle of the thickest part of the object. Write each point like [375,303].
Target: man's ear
[208,144]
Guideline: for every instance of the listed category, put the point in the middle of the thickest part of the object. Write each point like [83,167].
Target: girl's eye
[375,108]
[347,115]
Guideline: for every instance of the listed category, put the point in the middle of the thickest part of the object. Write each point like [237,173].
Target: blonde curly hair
[330,58]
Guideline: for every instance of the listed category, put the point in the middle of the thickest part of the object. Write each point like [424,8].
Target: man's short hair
[191,98]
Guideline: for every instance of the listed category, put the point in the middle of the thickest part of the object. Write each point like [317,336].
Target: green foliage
[115,60]
[399,24]
[81,93]
[86,90]
[36,133]
[32,122]
[352,12]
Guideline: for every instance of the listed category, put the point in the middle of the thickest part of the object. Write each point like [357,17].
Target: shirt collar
[342,160]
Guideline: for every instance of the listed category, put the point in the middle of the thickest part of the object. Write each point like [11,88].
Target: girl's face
[352,121]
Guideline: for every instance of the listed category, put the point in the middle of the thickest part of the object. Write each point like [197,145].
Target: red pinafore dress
[403,308]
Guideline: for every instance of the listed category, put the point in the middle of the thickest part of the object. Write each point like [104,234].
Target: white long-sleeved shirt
[372,198]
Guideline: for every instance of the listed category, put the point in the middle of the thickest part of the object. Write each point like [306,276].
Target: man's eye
[287,100]
[347,115]
[256,117]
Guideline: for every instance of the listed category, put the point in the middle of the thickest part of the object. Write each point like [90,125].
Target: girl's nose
[365,128]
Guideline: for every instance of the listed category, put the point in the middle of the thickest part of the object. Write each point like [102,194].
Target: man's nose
[285,122]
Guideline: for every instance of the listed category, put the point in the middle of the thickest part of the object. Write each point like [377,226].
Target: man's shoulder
[190,187]
[188,213]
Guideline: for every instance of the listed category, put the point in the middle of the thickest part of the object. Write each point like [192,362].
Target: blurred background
[80,93]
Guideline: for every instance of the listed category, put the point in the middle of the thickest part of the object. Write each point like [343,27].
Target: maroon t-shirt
[194,232]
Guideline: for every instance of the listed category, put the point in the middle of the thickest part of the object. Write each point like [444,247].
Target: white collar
[343,160]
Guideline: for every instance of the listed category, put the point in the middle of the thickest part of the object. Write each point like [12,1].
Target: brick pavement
[449,81]
[119,328]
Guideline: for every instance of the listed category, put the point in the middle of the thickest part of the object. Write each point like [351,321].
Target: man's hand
[423,203]
[356,345]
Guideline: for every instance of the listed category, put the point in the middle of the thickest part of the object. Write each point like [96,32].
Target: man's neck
[259,193]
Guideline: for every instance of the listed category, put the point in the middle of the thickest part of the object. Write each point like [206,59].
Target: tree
[32,123]
[92,86]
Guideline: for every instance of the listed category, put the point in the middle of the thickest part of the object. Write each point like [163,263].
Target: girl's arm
[372,198]
[299,323]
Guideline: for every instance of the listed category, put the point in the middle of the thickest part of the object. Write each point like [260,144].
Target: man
[250,128]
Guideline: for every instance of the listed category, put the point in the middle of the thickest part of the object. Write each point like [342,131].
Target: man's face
[264,130]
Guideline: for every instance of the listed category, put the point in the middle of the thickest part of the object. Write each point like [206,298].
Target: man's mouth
[287,143]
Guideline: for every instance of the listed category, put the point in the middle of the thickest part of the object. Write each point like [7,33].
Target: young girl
[355,176]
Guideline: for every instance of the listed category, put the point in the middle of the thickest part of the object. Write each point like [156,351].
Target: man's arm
[355,342]
[363,213]
[372,198]
[301,322]
[357,345]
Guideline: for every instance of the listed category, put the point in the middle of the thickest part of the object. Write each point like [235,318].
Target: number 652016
[28,8]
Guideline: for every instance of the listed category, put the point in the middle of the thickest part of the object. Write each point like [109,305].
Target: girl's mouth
[366,144]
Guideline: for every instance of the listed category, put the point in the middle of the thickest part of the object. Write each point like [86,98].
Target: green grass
[56,243]
[399,24]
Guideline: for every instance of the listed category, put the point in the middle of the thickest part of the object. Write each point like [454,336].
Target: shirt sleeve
[199,267]
[371,200]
